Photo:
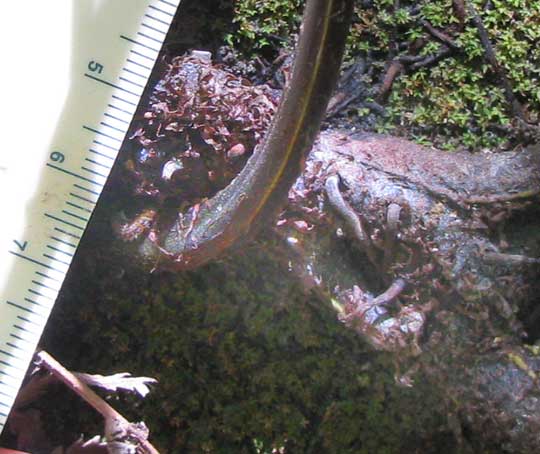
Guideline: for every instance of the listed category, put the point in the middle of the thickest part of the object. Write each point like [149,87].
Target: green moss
[458,101]
[261,24]
[245,362]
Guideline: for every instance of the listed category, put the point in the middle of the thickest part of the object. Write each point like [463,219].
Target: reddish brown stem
[437,34]
[460,12]
[394,70]
[491,58]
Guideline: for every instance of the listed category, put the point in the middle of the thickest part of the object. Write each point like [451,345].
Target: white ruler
[73,73]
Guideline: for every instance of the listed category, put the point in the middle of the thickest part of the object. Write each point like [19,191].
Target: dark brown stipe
[260,190]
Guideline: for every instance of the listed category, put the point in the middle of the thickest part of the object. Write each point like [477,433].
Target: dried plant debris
[122,381]
[200,126]
[94,445]
[27,424]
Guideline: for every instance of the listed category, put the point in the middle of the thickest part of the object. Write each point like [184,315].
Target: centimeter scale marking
[25,311]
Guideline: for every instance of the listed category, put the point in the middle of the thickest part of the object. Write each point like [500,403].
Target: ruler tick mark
[156,19]
[5,394]
[131,82]
[124,100]
[74,205]
[82,188]
[135,74]
[116,118]
[72,235]
[131,40]
[102,134]
[122,131]
[24,319]
[76,216]
[26,330]
[134,52]
[144,35]
[86,169]
[22,308]
[11,355]
[39,273]
[73,174]
[15,336]
[160,10]
[5,363]
[80,197]
[7,375]
[153,28]
[64,221]
[33,260]
[28,300]
[105,166]
[169,3]
[56,260]
[59,250]
[110,84]
[34,292]
[138,64]
[91,150]
[15,346]
[41,284]
[110,147]
[112,106]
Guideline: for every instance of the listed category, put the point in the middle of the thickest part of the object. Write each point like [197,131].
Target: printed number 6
[56,156]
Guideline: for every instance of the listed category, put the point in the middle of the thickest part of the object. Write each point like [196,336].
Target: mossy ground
[245,361]
[457,102]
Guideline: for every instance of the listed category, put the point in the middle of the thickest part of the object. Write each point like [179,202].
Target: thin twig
[489,199]
[437,34]
[394,70]
[391,293]
[460,12]
[510,259]
[491,58]
[430,60]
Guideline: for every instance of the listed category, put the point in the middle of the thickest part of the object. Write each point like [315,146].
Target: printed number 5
[95,67]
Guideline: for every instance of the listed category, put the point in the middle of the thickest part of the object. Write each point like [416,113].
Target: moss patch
[245,361]
[456,102]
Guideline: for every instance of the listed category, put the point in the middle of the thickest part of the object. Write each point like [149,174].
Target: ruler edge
[164,12]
